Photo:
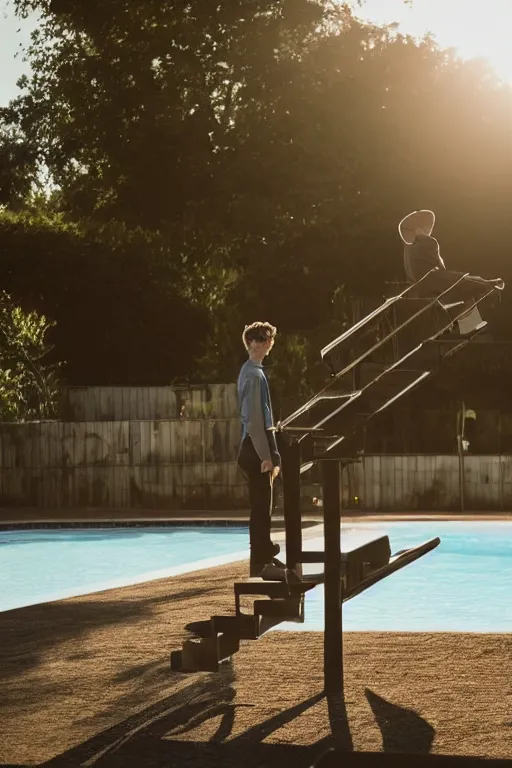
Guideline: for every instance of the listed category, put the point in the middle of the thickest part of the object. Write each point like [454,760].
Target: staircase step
[347,450]
[272,589]
[405,326]
[243,626]
[200,628]
[256,586]
[200,655]
[328,415]
[369,371]
[227,646]
[454,339]
[376,552]
[176,661]
[253,626]
[437,298]
[312,556]
[206,654]
[456,287]
[267,623]
[288,609]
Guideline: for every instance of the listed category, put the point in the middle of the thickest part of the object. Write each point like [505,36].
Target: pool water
[465,585]
[38,566]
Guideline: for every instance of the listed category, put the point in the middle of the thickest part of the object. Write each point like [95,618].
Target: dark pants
[260,498]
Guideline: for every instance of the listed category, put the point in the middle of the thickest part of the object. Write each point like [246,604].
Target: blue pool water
[465,585]
[38,566]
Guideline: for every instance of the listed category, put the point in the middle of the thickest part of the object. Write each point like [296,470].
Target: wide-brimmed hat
[416,223]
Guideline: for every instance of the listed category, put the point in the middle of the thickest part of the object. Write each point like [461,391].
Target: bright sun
[476,30]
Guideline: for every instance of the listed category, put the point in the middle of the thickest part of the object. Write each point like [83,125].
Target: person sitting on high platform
[422,255]
[421,250]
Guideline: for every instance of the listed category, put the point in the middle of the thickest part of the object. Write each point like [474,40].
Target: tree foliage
[242,160]
[28,383]
[18,169]
[118,300]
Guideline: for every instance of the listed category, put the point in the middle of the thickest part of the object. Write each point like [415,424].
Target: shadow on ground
[160,736]
[403,730]
[63,620]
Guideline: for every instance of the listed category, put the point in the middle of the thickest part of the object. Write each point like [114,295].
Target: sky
[475,29]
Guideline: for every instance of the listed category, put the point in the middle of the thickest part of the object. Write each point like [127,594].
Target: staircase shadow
[157,737]
[403,730]
[338,720]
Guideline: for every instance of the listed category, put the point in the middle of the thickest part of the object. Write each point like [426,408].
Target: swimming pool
[465,585]
[42,565]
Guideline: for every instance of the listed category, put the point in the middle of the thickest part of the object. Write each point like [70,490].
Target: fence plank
[134,447]
[375,481]
[506,482]
[401,492]
[13,491]
[221,440]
[156,487]
[121,442]
[192,441]
[482,483]
[117,398]
[49,485]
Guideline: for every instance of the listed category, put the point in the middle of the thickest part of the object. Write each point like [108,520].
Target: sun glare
[476,30]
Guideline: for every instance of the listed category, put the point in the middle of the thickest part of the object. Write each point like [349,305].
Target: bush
[28,385]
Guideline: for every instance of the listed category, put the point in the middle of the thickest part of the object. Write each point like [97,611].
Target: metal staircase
[375,363]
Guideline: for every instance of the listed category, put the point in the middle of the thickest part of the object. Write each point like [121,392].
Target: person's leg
[260,490]
[260,498]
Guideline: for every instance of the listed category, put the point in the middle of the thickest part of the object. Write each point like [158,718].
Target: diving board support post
[333,588]
[289,448]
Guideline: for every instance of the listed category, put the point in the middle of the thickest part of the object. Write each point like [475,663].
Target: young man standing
[258,457]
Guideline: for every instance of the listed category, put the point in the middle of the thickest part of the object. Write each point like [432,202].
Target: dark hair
[258,332]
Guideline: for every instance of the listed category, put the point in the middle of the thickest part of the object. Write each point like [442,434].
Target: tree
[136,108]
[133,104]
[28,384]
[18,169]
[270,148]
[121,303]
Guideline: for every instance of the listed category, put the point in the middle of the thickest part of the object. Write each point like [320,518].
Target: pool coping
[24,518]
[277,523]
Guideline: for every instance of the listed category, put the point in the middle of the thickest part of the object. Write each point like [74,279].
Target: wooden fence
[429,483]
[191,464]
[167,464]
[212,401]
[408,430]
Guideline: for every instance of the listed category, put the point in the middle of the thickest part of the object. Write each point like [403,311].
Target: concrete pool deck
[13,516]
[86,681]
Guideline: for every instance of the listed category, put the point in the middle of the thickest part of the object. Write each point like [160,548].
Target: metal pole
[460,450]
[333,631]
[289,448]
